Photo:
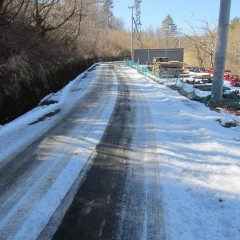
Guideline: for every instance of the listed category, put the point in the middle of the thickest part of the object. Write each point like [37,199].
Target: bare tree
[233,52]
[107,8]
[51,15]
[199,54]
[10,9]
[1,5]
[203,39]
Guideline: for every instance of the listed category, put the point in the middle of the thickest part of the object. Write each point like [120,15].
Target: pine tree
[137,6]
[169,28]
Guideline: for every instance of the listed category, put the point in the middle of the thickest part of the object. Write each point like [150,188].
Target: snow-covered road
[165,167]
[34,182]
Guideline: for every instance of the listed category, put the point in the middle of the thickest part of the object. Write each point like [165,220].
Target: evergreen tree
[137,5]
[169,28]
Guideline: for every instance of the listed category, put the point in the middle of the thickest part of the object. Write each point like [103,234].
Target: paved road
[119,197]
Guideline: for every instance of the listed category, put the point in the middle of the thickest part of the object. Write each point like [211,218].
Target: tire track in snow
[121,196]
[142,215]
[28,188]
[97,204]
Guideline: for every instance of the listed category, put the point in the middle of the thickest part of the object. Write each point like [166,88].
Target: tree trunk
[221,48]
[1,5]
[211,59]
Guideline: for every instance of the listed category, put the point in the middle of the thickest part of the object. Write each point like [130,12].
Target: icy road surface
[151,164]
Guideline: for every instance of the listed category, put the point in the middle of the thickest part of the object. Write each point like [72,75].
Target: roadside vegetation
[45,44]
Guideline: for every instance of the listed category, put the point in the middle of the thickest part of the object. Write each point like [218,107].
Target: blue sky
[154,11]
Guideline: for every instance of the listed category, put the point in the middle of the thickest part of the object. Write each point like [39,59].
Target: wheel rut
[28,176]
[97,204]
[121,196]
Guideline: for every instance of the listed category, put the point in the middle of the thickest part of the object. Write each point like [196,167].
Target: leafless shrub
[18,63]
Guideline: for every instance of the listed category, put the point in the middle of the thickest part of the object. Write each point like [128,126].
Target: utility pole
[132,53]
[221,48]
